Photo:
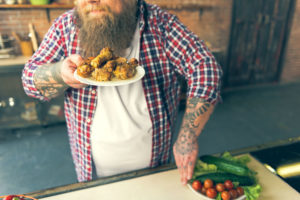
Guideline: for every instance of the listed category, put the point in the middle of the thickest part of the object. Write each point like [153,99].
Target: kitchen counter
[163,183]
[13,64]
[17,60]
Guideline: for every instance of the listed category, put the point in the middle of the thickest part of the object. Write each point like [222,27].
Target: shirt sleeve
[50,51]
[192,59]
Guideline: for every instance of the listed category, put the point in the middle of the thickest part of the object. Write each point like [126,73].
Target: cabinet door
[258,37]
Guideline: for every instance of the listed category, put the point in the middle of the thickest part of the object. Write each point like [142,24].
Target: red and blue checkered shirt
[167,48]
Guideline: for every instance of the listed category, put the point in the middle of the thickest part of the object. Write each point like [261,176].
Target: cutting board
[166,185]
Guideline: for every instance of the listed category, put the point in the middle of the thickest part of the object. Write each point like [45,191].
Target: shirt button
[88,120]
[93,91]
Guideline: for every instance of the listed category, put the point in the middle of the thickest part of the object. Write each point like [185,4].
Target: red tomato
[197,185]
[208,183]
[233,193]
[228,184]
[225,195]
[211,193]
[240,191]
[9,197]
[220,187]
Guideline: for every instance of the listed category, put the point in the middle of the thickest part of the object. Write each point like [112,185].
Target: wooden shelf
[176,6]
[54,5]
[184,6]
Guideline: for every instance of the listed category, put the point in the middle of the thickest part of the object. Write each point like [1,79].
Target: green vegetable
[252,192]
[219,196]
[244,160]
[227,165]
[203,168]
[220,177]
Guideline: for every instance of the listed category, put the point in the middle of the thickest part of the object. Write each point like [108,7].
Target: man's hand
[185,152]
[68,68]
[54,78]
[186,146]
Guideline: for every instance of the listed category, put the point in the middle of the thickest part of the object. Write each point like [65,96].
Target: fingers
[184,172]
[185,164]
[182,165]
[69,66]
[76,59]
[73,62]
[190,169]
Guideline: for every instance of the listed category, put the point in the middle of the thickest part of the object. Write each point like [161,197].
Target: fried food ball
[133,62]
[120,60]
[84,70]
[110,66]
[106,65]
[100,74]
[105,55]
[124,71]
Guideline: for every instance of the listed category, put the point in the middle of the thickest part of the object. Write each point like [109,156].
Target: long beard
[114,31]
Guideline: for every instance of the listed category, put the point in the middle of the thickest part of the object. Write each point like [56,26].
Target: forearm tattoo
[196,111]
[48,80]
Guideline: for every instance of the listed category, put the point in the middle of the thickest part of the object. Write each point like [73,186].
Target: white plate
[203,197]
[140,72]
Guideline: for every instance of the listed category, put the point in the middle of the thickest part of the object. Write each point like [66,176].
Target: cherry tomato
[233,193]
[9,197]
[225,195]
[208,183]
[228,184]
[211,193]
[220,187]
[197,185]
[240,191]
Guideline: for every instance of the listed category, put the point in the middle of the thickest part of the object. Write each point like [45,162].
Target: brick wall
[291,68]
[209,19]
[210,24]
[18,19]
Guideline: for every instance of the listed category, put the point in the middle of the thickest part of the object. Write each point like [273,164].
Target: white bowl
[203,197]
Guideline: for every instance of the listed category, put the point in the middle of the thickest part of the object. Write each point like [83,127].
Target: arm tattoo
[195,112]
[48,80]
[186,141]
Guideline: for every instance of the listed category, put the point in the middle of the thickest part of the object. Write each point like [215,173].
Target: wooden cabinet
[259,35]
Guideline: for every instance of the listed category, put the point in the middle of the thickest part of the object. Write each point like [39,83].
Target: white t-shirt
[121,137]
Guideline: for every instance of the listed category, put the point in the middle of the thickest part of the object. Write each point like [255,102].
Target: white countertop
[166,185]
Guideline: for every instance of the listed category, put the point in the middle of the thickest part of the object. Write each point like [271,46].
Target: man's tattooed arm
[196,115]
[48,80]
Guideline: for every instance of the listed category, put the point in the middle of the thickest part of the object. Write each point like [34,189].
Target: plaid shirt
[167,48]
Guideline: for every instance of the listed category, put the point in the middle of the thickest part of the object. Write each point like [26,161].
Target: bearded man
[124,128]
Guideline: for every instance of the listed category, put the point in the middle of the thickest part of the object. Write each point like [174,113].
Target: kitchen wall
[291,69]
[209,19]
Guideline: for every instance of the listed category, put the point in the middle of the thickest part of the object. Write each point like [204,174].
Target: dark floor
[38,158]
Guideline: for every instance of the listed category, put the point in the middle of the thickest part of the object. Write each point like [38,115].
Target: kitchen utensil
[1,42]
[26,48]
[33,37]
[16,36]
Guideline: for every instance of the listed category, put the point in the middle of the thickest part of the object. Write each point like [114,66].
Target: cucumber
[219,177]
[227,165]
